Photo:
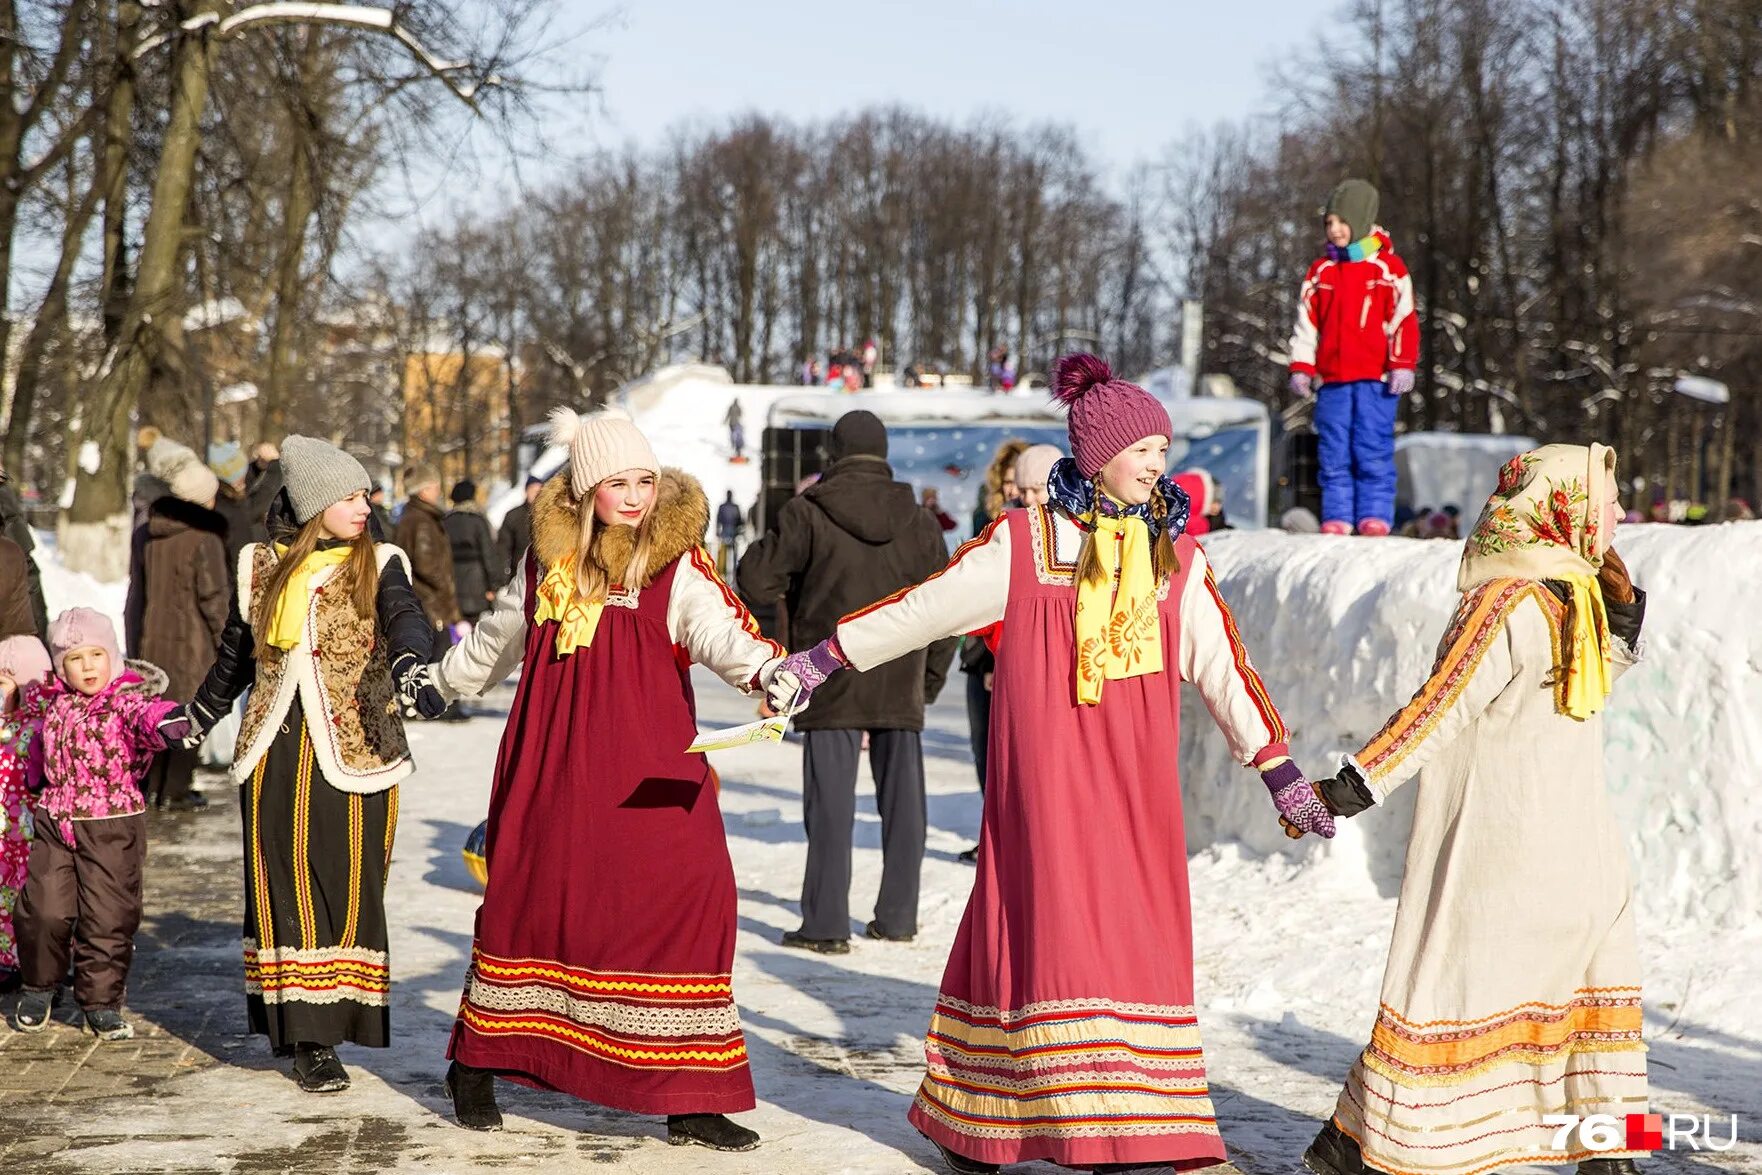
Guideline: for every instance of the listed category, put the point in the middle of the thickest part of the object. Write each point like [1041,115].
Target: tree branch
[381,20]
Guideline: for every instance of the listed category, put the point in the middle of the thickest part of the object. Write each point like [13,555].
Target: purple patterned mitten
[1296,800]
[814,666]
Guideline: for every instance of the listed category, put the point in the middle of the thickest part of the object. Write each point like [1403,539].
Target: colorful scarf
[289,618]
[1362,249]
[1545,522]
[1119,632]
[577,619]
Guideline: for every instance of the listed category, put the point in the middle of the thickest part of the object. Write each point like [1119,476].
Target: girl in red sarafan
[1065,1027]
[602,960]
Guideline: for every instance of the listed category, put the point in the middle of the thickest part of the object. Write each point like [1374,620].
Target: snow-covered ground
[1289,957]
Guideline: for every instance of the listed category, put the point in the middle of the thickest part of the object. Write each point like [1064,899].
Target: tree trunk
[51,315]
[112,178]
[296,215]
[101,493]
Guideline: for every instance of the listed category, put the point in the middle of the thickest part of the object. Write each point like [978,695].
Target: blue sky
[1131,75]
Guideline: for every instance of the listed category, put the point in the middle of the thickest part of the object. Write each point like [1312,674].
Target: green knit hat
[1355,202]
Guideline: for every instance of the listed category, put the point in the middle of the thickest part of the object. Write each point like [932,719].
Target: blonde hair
[1163,560]
[359,575]
[593,582]
[1003,467]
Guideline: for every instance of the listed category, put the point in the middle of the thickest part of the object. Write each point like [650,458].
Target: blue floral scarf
[1075,494]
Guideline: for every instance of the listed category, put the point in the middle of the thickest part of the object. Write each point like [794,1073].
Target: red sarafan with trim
[604,948]
[1355,319]
[651,1025]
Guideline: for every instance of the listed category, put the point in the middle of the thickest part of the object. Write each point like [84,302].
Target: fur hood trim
[680,519]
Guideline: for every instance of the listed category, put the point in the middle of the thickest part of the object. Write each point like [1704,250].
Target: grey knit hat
[318,475]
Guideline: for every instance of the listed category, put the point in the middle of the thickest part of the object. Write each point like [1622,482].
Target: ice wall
[1345,629]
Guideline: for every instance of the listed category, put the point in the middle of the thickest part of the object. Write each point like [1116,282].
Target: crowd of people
[602,958]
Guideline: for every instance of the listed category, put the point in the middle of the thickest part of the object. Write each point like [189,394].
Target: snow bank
[64,589]
[1345,629]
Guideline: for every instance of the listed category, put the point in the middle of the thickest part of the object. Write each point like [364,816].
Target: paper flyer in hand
[766,730]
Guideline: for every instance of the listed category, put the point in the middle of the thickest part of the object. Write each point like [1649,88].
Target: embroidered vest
[340,672]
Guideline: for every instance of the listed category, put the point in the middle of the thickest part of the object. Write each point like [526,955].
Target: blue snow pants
[1355,435]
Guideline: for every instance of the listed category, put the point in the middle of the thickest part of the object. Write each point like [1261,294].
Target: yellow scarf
[289,618]
[577,619]
[1586,680]
[1119,634]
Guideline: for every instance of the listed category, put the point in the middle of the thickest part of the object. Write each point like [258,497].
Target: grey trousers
[829,804]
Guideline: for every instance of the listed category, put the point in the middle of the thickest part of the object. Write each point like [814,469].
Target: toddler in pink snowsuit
[101,727]
[24,666]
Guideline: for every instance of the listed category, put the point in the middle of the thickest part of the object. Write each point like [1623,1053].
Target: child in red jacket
[1354,349]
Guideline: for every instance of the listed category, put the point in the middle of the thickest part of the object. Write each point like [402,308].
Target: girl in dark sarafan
[323,627]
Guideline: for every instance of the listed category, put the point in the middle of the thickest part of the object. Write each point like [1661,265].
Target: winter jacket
[422,534]
[339,671]
[845,542]
[15,526]
[513,538]
[95,750]
[477,565]
[15,593]
[729,522]
[1355,319]
[177,592]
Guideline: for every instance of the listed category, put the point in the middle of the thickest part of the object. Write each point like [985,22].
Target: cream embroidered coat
[1513,983]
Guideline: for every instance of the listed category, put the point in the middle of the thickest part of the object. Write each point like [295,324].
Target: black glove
[1345,794]
[199,721]
[418,696]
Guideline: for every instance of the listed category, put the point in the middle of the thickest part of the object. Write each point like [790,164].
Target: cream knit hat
[599,446]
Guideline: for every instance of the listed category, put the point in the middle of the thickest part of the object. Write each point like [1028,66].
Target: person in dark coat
[15,596]
[178,595]
[477,565]
[422,534]
[844,543]
[15,526]
[382,516]
[515,533]
[233,501]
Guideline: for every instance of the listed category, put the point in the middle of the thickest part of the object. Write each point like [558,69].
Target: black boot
[1608,1167]
[318,1070]
[961,1165]
[474,1097]
[1333,1153]
[823,946]
[712,1130]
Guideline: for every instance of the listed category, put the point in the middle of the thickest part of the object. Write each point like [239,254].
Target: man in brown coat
[15,594]
[422,533]
[178,597]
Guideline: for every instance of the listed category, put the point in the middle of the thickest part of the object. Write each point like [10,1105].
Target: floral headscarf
[1545,521]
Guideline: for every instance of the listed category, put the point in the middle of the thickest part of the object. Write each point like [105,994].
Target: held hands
[800,674]
[1344,794]
[1302,385]
[1299,803]
[185,726]
[418,695]
[179,730]
[1400,381]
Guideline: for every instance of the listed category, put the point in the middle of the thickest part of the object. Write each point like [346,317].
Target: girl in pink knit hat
[1065,1028]
[102,723]
[24,664]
